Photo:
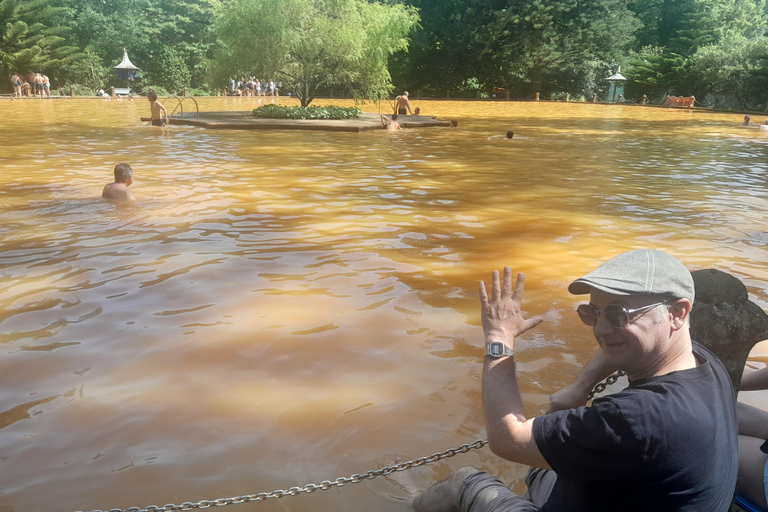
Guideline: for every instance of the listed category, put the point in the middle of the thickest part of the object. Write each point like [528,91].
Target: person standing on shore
[16,83]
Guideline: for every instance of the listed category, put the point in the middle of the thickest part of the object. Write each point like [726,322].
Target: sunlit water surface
[280,308]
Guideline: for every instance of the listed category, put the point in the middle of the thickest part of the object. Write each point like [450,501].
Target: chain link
[309,488]
[600,387]
[341,481]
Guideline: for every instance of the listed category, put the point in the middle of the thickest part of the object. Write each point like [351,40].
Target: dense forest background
[716,50]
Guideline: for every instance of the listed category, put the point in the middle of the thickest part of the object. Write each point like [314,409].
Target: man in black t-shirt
[668,442]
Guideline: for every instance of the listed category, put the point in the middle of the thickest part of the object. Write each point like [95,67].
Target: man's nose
[602,327]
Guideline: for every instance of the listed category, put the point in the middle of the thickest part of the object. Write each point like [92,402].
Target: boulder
[724,320]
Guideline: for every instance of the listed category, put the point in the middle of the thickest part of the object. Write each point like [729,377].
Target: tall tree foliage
[32,39]
[446,54]
[541,45]
[312,44]
[548,40]
[146,28]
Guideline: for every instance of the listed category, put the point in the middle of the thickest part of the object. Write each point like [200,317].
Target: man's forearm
[595,371]
[510,435]
[575,394]
[754,381]
[501,395]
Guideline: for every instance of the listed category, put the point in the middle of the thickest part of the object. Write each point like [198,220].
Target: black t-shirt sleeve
[589,443]
[764,447]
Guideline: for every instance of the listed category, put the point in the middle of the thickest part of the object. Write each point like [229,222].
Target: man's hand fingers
[483,295]
[495,286]
[507,282]
[519,287]
[532,322]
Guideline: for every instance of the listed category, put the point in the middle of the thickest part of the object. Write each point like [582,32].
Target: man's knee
[444,496]
[464,473]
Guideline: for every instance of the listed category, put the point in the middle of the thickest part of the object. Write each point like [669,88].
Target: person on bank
[390,124]
[753,442]
[666,443]
[16,83]
[402,105]
[155,107]
[118,190]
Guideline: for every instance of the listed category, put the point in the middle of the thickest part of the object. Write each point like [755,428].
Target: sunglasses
[617,316]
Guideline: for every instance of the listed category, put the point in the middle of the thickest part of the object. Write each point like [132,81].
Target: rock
[725,321]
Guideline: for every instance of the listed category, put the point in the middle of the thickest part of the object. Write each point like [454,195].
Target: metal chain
[341,481]
[600,387]
[309,488]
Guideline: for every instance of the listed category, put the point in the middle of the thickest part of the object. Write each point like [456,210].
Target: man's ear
[679,311]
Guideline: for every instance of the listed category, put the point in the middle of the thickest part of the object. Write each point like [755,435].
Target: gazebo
[126,70]
[616,88]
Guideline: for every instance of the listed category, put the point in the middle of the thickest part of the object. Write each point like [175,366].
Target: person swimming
[118,190]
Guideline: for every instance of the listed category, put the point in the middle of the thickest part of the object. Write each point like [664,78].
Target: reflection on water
[280,307]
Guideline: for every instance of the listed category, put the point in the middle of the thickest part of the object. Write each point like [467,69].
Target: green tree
[169,71]
[446,54]
[541,45]
[145,28]
[698,45]
[31,38]
[549,40]
[89,71]
[734,65]
[312,44]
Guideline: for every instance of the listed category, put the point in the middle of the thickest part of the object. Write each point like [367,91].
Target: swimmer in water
[118,191]
[155,108]
[390,124]
[746,121]
[510,134]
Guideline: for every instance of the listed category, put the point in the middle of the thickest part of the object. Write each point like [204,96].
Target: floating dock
[247,121]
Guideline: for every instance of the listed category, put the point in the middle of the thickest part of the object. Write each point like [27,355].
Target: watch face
[497,349]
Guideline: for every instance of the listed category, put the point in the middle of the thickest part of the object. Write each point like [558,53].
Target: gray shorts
[482,492]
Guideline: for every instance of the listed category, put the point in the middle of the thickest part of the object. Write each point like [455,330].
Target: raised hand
[502,315]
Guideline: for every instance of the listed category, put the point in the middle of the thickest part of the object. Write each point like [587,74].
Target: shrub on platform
[311,112]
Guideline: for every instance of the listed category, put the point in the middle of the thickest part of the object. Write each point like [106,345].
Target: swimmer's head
[123,173]
[454,123]
[418,111]
[746,119]
[510,134]
[151,96]
[394,117]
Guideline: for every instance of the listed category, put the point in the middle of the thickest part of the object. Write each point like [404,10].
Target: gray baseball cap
[639,272]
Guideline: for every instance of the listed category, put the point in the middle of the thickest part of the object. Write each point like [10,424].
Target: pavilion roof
[618,77]
[126,63]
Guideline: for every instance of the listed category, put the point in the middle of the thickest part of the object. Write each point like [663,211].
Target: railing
[180,105]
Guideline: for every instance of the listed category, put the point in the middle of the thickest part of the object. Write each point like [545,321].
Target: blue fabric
[746,504]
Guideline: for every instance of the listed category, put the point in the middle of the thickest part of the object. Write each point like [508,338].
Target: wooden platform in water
[246,121]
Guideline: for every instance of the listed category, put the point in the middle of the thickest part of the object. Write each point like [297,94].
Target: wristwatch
[498,349]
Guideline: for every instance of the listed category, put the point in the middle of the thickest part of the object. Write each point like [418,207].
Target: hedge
[311,112]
